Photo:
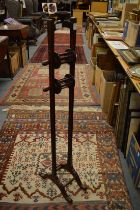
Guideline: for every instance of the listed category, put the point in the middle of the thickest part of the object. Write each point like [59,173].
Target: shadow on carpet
[41,53]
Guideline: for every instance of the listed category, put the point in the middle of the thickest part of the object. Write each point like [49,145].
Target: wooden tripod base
[61,187]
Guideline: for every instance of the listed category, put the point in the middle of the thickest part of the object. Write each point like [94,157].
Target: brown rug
[41,53]
[64,39]
[25,147]
[28,88]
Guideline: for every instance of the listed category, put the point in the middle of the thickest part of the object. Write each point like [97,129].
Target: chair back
[35,5]
[14,9]
[29,7]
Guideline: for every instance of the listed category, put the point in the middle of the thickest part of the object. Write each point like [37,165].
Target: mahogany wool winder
[55,87]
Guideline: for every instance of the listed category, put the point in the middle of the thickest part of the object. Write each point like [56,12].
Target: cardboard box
[90,35]
[133,16]
[15,48]
[5,70]
[131,29]
[106,61]
[93,64]
[127,7]
[96,38]
[113,106]
[98,48]
[135,116]
[134,124]
[79,15]
[15,61]
[24,53]
[133,160]
[14,54]
[107,85]
[98,73]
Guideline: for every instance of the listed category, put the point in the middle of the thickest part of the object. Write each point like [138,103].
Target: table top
[15,30]
[13,27]
[3,38]
[126,67]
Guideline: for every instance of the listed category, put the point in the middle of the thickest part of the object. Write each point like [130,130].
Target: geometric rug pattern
[28,88]
[25,151]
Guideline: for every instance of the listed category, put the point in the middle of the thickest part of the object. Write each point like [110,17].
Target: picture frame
[52,8]
[135,70]
[128,56]
[44,7]
[136,51]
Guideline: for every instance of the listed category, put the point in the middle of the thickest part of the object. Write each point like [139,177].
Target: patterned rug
[25,149]
[42,53]
[28,88]
[64,30]
[64,38]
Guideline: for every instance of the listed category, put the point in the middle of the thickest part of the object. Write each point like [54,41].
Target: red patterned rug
[28,88]
[25,147]
[42,53]
[64,38]
[65,30]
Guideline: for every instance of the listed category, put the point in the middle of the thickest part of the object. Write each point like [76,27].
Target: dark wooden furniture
[4,52]
[55,87]
[60,15]
[16,32]
[37,20]
[63,15]
[2,10]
